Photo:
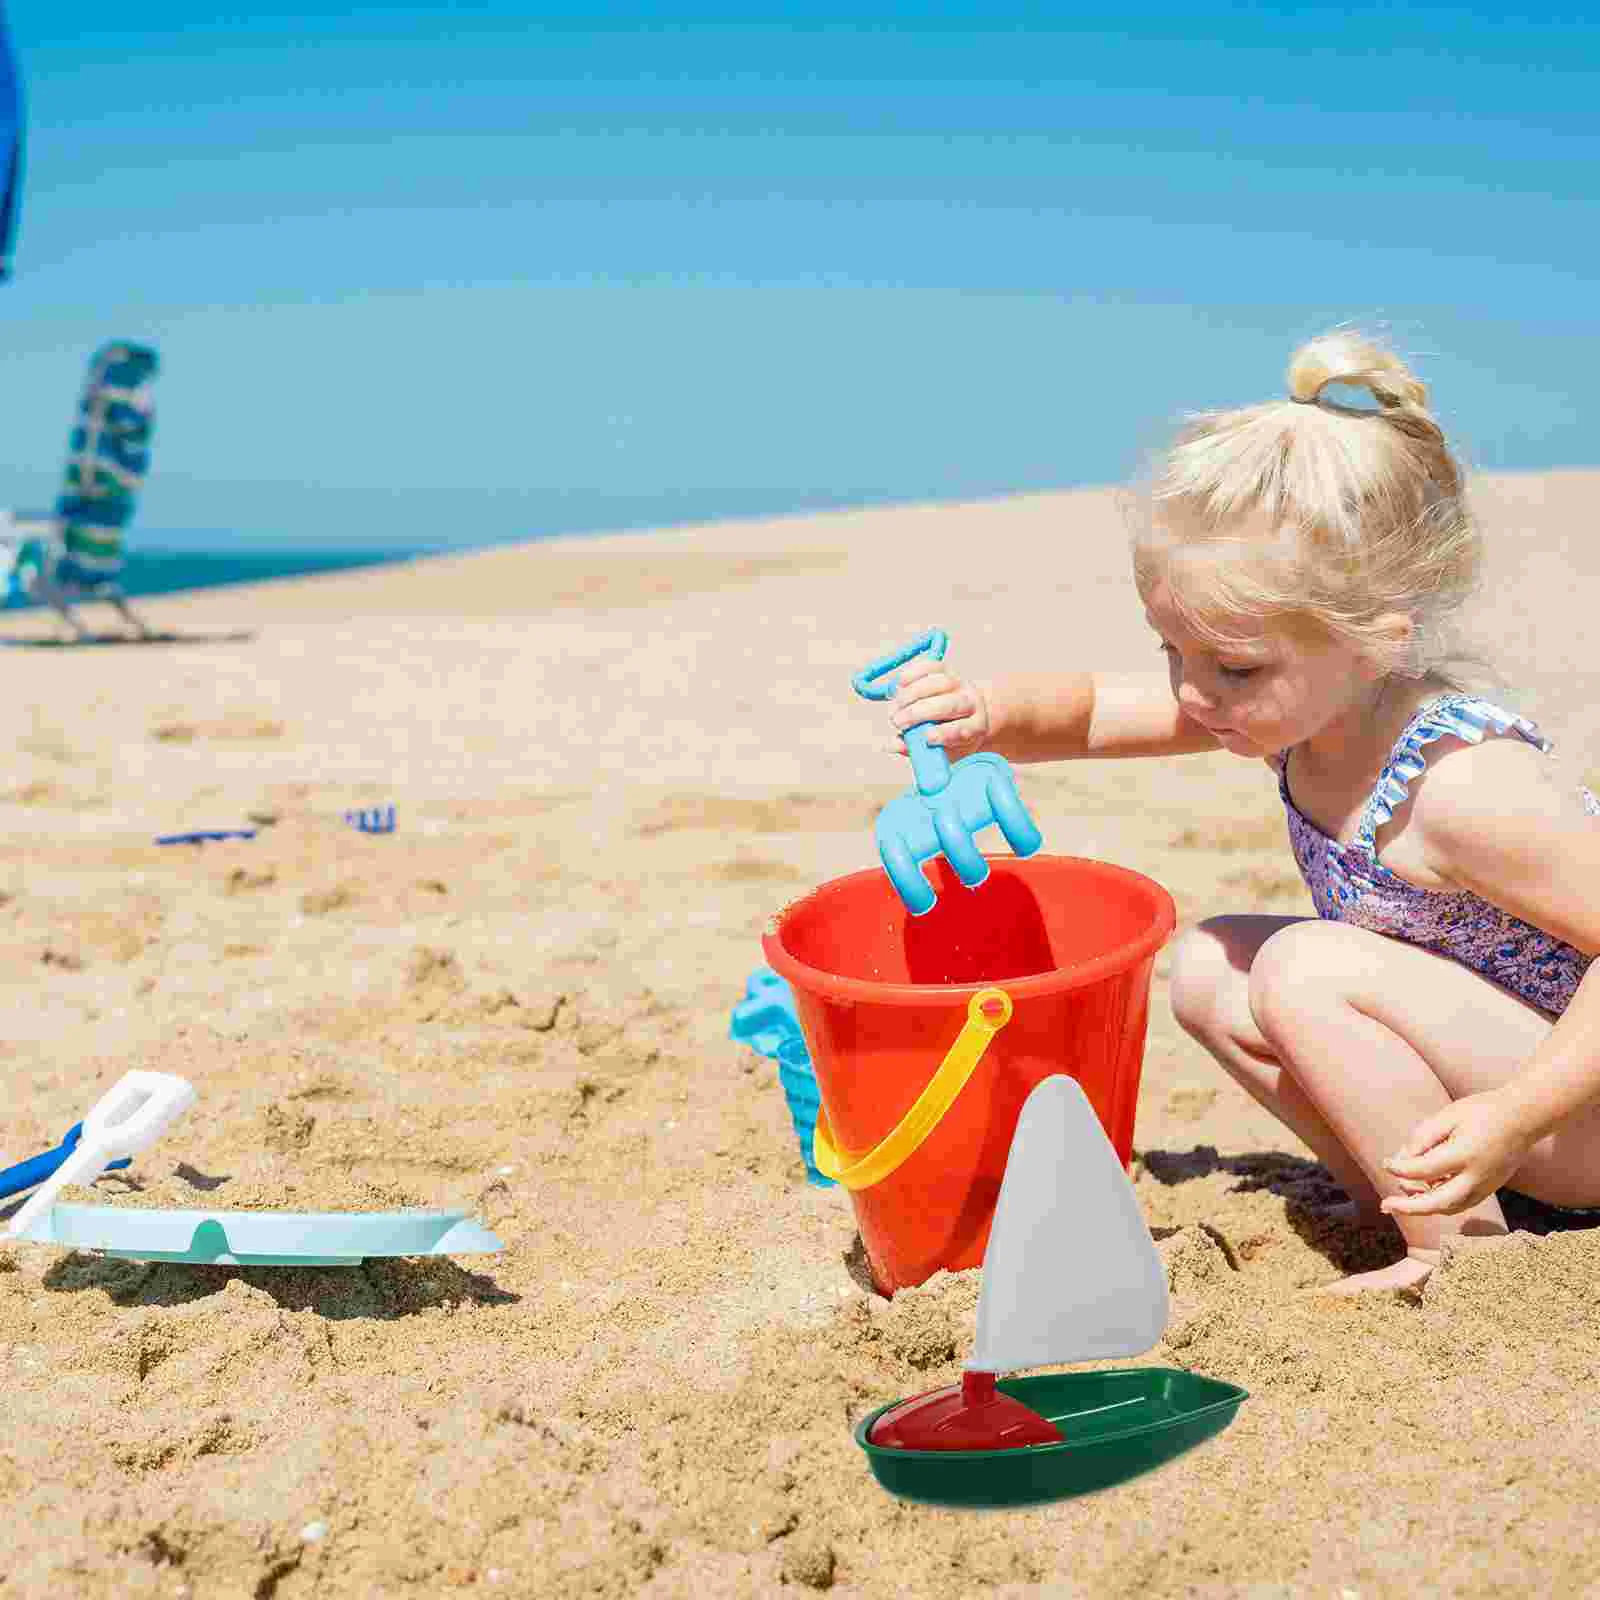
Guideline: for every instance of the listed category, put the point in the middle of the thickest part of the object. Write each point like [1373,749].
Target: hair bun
[1351,358]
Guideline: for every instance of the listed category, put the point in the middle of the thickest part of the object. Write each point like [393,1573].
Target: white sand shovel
[129,1117]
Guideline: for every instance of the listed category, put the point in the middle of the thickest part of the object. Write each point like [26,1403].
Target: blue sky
[453,274]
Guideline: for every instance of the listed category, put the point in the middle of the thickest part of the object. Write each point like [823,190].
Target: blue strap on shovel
[30,1174]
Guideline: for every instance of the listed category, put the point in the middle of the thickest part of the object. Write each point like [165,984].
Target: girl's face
[1277,687]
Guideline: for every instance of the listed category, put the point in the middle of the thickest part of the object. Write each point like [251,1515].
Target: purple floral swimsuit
[1349,884]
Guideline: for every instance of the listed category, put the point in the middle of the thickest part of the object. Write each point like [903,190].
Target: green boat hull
[1115,1424]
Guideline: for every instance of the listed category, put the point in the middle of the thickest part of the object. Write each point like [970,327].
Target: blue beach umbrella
[10,147]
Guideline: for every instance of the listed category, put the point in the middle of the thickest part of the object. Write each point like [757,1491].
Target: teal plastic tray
[261,1238]
[1117,1423]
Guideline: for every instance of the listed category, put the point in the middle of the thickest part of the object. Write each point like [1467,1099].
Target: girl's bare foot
[1411,1271]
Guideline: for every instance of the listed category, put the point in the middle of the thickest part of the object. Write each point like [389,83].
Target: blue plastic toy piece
[766,1016]
[205,834]
[800,1090]
[949,804]
[766,1021]
[372,819]
[30,1174]
[261,1238]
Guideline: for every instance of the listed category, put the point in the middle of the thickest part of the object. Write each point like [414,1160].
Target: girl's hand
[929,692]
[1458,1156]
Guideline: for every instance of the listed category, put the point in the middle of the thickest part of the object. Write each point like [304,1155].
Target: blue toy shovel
[949,803]
[206,835]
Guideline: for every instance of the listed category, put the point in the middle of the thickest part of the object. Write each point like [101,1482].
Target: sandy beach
[614,760]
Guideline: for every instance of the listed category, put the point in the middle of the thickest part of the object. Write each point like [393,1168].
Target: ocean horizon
[169,561]
[156,569]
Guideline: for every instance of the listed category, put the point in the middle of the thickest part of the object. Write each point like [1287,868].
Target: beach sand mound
[264,1185]
[519,1003]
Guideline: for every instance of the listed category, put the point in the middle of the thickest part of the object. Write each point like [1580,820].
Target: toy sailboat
[1071,1274]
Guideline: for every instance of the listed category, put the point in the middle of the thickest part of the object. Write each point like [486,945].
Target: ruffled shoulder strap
[1462,716]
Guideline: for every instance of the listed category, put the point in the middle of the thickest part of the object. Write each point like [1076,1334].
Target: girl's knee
[1299,966]
[1201,977]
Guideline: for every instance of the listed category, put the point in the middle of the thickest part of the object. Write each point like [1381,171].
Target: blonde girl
[1433,1034]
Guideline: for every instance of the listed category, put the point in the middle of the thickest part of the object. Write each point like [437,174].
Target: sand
[613,761]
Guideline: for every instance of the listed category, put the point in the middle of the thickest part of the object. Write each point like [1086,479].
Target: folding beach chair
[74,553]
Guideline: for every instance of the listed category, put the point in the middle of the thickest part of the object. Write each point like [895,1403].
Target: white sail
[1071,1272]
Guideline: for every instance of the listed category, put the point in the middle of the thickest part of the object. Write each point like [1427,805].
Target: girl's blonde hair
[1319,513]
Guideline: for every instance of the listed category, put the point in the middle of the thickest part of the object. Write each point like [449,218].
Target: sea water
[153,568]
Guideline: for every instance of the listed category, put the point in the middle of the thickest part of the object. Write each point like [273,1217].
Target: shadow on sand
[381,1290]
[1306,1187]
[24,642]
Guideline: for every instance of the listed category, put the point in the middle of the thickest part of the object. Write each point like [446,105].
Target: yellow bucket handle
[928,1110]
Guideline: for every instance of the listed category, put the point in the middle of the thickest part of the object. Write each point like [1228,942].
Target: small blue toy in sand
[804,1099]
[766,1016]
[206,835]
[949,803]
[369,819]
[766,1020]
[372,819]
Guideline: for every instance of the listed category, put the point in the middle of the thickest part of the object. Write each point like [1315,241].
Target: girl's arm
[1563,1074]
[1048,716]
[1461,1155]
[1068,717]
[1489,821]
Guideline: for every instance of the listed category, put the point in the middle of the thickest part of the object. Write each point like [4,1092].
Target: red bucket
[921,1089]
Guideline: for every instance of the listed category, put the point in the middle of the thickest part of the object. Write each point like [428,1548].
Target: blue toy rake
[949,804]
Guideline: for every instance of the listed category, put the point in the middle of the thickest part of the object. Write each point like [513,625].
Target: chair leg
[139,625]
[43,589]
